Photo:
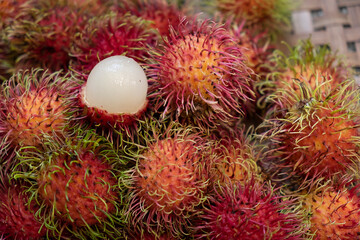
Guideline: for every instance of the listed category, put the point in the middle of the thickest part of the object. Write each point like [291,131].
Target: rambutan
[10,10]
[76,185]
[160,13]
[200,75]
[318,135]
[250,211]
[17,215]
[34,103]
[45,37]
[170,180]
[305,63]
[110,35]
[95,7]
[272,16]
[256,48]
[333,212]
[258,52]
[237,160]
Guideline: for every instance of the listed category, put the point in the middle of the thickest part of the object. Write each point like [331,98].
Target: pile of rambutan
[147,119]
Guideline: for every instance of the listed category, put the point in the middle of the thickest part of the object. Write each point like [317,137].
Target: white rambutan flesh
[117,84]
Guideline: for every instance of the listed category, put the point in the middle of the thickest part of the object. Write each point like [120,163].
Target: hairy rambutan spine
[237,160]
[78,184]
[110,35]
[34,103]
[17,214]
[317,134]
[200,75]
[43,39]
[249,211]
[160,13]
[332,210]
[170,179]
[272,16]
[307,63]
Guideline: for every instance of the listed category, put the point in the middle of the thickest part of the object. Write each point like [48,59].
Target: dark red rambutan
[110,35]
[272,16]
[75,182]
[333,212]
[318,134]
[200,75]
[250,211]
[44,40]
[160,13]
[17,215]
[170,180]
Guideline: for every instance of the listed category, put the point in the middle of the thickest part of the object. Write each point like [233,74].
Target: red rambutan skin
[120,121]
[17,220]
[80,189]
[110,35]
[334,213]
[169,181]
[250,211]
[33,104]
[200,75]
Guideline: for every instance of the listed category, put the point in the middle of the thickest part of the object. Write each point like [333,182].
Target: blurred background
[332,23]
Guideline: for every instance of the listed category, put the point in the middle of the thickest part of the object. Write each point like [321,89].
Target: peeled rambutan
[333,212]
[114,95]
[170,180]
[34,103]
[318,135]
[17,215]
[110,35]
[45,37]
[268,15]
[250,211]
[75,182]
[200,75]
